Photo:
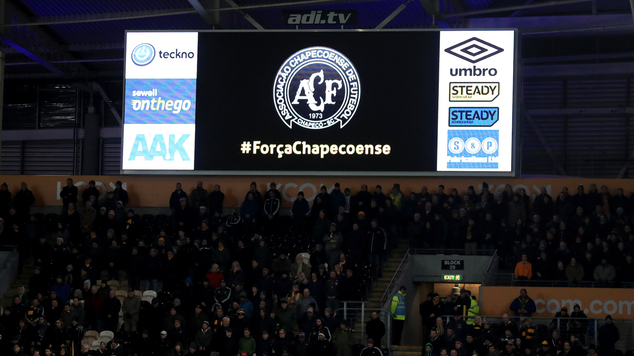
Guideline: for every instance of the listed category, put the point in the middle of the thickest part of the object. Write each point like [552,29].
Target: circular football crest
[316,88]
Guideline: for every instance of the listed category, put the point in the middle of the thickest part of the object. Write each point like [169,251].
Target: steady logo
[143,54]
[316,88]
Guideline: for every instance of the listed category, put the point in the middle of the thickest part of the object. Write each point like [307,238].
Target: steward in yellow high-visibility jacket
[474,309]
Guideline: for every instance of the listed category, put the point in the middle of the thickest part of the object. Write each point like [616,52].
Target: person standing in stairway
[398,312]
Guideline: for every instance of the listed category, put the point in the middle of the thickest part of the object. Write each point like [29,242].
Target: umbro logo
[474,50]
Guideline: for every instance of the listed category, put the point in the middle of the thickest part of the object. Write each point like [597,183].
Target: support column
[90,152]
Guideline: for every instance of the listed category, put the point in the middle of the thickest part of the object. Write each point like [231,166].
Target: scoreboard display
[320,102]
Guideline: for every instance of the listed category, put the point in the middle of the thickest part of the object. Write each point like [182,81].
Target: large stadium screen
[320,103]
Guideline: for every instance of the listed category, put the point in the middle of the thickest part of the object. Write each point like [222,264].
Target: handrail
[491,262]
[566,283]
[13,249]
[452,251]
[394,276]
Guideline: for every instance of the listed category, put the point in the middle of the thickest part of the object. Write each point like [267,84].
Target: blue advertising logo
[473,117]
[158,148]
[476,149]
[143,54]
[160,101]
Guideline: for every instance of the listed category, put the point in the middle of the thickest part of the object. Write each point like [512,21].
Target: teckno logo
[474,50]
[143,54]
[316,88]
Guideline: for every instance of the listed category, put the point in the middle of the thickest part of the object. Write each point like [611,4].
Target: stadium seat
[106,335]
[112,283]
[121,294]
[95,345]
[91,334]
[148,299]
[150,293]
[138,294]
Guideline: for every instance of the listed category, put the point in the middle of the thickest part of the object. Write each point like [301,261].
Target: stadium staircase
[377,290]
[22,280]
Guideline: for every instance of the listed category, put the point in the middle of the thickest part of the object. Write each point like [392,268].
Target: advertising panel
[594,302]
[160,101]
[476,93]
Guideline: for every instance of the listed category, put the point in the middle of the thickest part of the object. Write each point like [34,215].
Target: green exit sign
[451,277]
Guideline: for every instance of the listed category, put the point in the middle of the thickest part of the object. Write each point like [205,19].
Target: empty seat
[138,294]
[106,335]
[121,294]
[148,298]
[114,283]
[150,293]
[95,345]
[91,334]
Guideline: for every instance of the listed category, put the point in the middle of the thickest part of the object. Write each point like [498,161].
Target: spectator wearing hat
[321,347]
[196,320]
[299,266]
[608,337]
[545,349]
[203,336]
[163,345]
[284,316]
[131,309]
[343,339]
[370,349]
[178,334]
[301,344]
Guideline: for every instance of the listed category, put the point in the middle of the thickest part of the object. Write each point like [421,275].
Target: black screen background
[398,72]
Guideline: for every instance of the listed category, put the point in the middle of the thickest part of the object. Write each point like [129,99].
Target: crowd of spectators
[259,281]
[567,334]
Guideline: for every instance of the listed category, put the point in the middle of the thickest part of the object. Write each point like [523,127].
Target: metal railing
[508,279]
[446,251]
[8,268]
[588,330]
[357,312]
[388,289]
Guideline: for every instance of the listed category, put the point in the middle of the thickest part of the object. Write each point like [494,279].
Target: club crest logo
[316,88]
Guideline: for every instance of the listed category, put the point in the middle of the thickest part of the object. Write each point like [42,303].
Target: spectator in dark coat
[608,337]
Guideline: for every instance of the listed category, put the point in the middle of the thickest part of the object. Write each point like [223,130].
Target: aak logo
[158,148]
[143,54]
[474,50]
[316,88]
